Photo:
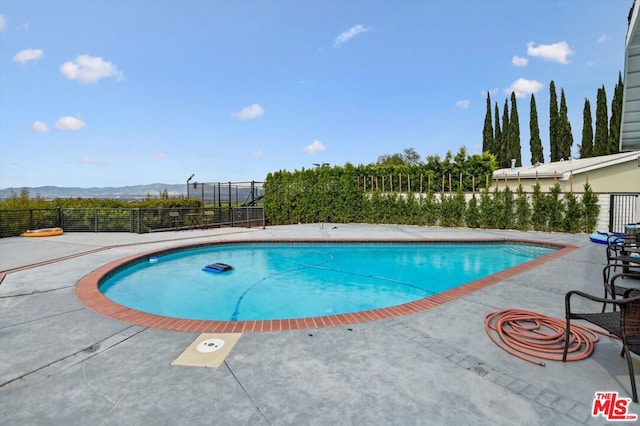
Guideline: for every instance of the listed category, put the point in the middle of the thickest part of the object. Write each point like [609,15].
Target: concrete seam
[90,352]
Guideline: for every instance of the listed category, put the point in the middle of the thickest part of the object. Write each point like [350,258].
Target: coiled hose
[531,336]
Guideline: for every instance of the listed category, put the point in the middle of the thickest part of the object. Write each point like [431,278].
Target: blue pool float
[605,237]
[217,268]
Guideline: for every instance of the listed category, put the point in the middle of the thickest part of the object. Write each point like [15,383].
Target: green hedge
[338,195]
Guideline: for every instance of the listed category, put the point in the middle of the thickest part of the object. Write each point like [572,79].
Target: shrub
[472,217]
[523,211]
[573,214]
[555,209]
[539,215]
[505,209]
[590,209]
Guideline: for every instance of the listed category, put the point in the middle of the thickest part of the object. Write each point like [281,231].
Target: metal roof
[564,169]
[630,126]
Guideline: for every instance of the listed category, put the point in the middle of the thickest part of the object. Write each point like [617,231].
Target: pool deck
[64,364]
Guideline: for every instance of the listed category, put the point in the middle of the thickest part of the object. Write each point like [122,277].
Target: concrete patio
[63,364]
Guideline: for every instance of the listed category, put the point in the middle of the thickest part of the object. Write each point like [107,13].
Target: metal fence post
[611,211]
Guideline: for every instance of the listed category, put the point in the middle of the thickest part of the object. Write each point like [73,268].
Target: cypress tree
[553,122]
[601,137]
[487,131]
[497,138]
[586,147]
[564,135]
[503,161]
[535,143]
[616,117]
[514,150]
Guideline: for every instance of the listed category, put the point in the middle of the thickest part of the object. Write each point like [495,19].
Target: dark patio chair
[629,280]
[624,324]
[621,250]
[621,253]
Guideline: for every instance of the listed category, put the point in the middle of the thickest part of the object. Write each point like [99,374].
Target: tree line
[337,195]
[502,138]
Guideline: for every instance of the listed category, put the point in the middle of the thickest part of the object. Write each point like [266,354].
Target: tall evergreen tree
[497,138]
[487,131]
[514,150]
[553,122]
[601,137]
[586,147]
[535,144]
[616,117]
[564,134]
[503,161]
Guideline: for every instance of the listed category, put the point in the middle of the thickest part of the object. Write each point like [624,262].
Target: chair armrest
[628,267]
[632,274]
[619,302]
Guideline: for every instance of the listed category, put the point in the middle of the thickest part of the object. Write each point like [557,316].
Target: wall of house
[623,177]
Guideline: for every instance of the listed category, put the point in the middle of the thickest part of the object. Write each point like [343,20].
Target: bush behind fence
[288,201]
[13,222]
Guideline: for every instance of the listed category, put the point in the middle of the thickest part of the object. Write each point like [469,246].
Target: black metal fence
[622,211]
[13,222]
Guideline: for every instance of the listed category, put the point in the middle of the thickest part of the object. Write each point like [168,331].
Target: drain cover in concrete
[210,345]
[208,350]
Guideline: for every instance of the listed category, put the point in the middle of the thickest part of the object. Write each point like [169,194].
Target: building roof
[563,170]
[630,127]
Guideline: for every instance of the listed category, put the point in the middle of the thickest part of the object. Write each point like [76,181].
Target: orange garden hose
[531,336]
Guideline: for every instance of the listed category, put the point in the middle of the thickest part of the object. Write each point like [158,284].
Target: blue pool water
[278,281]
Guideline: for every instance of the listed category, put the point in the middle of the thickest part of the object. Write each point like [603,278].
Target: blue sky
[113,93]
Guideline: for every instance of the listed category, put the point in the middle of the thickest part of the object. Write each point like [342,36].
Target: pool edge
[88,293]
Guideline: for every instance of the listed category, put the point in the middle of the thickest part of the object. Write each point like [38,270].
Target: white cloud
[257,153]
[91,160]
[3,23]
[603,38]
[518,61]
[70,123]
[491,92]
[556,52]
[463,104]
[28,55]
[160,154]
[350,33]
[90,69]
[39,127]
[523,87]
[249,113]
[316,146]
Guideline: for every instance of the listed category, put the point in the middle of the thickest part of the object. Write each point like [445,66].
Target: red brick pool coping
[87,291]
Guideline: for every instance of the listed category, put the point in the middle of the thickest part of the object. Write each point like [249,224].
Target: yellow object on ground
[44,232]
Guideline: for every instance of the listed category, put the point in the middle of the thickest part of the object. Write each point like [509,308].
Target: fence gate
[622,211]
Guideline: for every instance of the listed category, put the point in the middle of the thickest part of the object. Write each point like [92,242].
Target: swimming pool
[289,281]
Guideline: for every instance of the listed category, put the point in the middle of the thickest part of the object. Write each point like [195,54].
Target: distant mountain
[239,191]
[133,192]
